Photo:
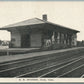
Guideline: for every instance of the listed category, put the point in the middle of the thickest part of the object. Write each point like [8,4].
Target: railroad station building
[36,33]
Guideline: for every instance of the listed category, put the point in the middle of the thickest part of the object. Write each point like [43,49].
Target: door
[25,41]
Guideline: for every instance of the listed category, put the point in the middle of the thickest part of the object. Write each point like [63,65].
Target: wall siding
[36,39]
[15,35]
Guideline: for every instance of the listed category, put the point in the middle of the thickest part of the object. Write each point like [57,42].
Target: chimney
[45,17]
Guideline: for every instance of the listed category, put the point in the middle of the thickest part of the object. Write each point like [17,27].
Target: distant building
[80,43]
[40,33]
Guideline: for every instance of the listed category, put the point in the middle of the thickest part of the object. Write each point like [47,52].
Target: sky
[68,13]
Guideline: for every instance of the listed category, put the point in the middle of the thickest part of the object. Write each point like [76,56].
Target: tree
[0,42]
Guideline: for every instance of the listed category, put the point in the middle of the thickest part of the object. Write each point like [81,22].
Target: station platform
[13,51]
[33,54]
[17,49]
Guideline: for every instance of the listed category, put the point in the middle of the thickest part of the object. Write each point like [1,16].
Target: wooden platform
[33,54]
[9,51]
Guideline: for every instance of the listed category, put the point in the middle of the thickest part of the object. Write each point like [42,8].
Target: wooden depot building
[40,33]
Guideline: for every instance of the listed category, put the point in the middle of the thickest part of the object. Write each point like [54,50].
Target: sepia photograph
[41,39]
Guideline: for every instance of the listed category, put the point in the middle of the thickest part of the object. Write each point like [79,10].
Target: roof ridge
[41,20]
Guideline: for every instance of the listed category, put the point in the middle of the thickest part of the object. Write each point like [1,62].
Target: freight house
[40,33]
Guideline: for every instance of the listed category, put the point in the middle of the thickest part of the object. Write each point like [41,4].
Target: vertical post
[53,38]
[58,38]
[62,38]
[72,40]
[7,53]
[75,39]
[68,39]
[65,39]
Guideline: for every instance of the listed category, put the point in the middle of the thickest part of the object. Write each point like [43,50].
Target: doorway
[25,41]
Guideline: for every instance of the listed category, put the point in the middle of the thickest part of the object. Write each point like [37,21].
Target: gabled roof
[34,21]
[25,23]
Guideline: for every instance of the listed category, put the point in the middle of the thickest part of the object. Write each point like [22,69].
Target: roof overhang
[62,28]
[43,25]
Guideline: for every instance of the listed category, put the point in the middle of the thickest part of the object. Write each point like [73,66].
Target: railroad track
[44,71]
[75,72]
[43,66]
[68,70]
